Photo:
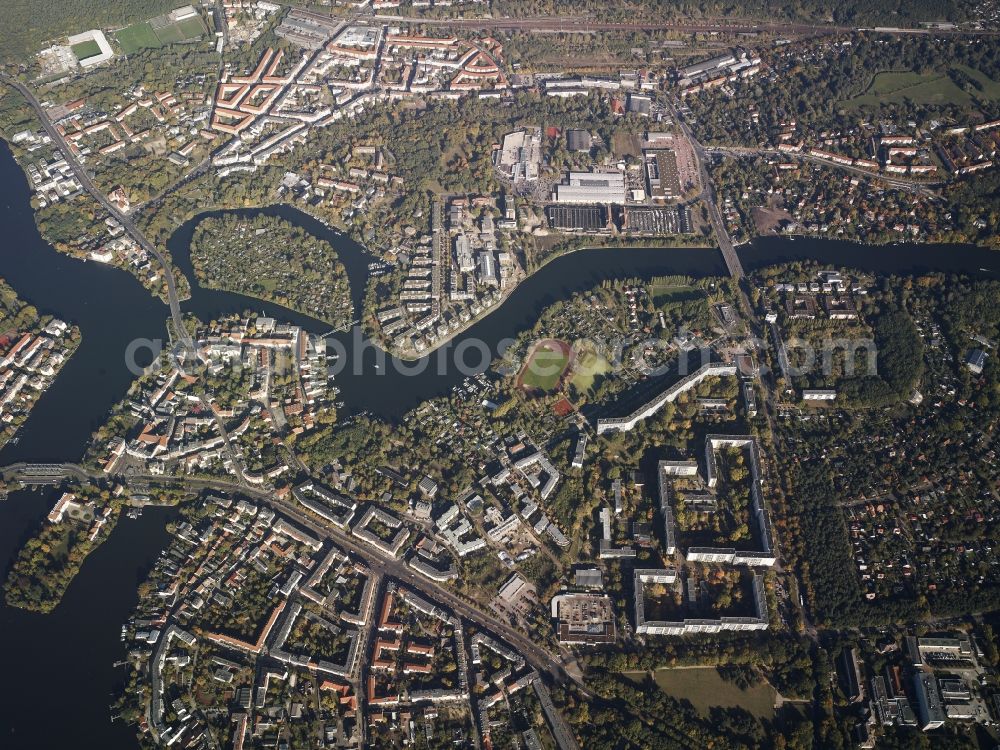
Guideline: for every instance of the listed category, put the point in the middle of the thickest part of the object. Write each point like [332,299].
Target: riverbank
[79,640]
[413,355]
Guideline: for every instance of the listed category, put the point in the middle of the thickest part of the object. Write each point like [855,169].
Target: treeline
[874,12]
[976,204]
[627,714]
[15,315]
[784,657]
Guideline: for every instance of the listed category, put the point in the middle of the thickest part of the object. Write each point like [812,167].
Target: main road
[708,196]
[127,224]
[537,656]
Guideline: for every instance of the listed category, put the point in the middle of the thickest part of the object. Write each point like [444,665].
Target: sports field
[545,365]
[159,32]
[661,294]
[587,367]
[182,31]
[83,50]
[136,37]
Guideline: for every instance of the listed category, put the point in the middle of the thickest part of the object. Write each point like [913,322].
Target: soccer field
[181,31]
[158,33]
[545,365]
[136,37]
[83,50]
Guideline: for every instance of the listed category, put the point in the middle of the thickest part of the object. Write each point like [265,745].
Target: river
[58,673]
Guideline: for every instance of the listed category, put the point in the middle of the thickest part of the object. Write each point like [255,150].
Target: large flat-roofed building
[929,706]
[661,174]
[577,218]
[657,220]
[520,154]
[686,383]
[584,619]
[687,626]
[592,187]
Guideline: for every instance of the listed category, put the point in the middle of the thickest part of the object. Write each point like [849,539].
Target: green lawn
[661,294]
[143,35]
[924,88]
[588,366]
[990,88]
[136,37]
[186,30]
[83,50]
[545,366]
[704,687]
[192,28]
[900,87]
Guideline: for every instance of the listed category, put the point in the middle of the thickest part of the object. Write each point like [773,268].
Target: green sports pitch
[86,49]
[159,32]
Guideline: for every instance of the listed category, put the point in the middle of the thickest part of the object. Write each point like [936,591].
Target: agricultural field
[83,50]
[545,366]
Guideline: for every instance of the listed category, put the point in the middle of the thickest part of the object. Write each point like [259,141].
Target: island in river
[79,639]
[273,259]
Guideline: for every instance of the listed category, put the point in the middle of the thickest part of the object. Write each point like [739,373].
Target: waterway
[58,674]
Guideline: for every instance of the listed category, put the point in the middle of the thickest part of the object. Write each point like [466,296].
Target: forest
[905,12]
[27,24]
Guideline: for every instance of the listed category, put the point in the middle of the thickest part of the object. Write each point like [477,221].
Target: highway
[131,229]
